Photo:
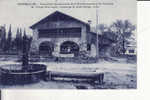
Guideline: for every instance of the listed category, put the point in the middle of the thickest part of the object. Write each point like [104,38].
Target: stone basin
[14,74]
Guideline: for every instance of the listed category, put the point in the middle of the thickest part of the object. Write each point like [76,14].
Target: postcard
[69,44]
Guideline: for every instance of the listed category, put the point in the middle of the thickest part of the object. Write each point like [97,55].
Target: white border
[142,93]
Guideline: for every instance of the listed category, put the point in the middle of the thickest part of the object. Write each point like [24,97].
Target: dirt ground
[117,75]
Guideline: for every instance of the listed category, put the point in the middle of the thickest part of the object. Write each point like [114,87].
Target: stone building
[60,35]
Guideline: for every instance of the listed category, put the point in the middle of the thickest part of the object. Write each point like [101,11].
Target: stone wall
[58,41]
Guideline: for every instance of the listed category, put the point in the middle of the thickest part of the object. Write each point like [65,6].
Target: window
[59,33]
[131,51]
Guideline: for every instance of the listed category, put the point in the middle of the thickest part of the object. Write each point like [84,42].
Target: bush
[83,55]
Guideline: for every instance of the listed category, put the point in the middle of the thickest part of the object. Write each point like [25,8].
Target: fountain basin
[14,74]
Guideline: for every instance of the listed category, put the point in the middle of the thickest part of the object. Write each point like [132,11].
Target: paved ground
[118,75]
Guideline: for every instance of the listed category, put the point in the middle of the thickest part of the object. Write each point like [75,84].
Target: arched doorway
[69,47]
[46,48]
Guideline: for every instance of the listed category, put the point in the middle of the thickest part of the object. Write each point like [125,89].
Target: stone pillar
[56,50]
[83,46]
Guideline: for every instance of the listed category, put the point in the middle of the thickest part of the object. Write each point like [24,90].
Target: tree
[3,39]
[1,33]
[123,30]
[17,40]
[25,51]
[29,43]
[9,39]
[20,39]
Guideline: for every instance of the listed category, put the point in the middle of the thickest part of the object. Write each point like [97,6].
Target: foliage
[25,51]
[83,55]
[9,39]
[118,34]
[123,30]
[3,38]
[9,44]
[18,40]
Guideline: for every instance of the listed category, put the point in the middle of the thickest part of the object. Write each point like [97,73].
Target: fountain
[25,73]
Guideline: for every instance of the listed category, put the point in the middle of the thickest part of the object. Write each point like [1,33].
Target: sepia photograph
[69,44]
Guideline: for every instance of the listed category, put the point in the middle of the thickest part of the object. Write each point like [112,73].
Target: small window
[131,51]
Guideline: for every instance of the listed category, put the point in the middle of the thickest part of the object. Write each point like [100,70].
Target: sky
[25,16]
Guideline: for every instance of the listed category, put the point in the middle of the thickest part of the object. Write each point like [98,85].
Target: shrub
[83,55]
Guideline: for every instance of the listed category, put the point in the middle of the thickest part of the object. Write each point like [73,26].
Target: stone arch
[69,47]
[46,48]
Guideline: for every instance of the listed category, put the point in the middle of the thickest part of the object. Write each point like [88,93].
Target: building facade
[60,35]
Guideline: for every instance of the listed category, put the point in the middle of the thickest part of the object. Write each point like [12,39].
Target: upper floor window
[59,32]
